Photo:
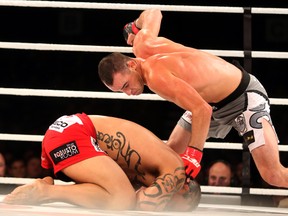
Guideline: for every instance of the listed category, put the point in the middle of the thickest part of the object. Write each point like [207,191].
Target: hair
[226,163]
[111,64]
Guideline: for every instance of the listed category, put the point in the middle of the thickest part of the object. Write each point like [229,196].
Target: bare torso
[138,151]
[212,77]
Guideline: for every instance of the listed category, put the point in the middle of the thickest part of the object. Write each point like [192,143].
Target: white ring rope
[204,189]
[18,181]
[93,48]
[94,94]
[123,6]
[77,94]
[246,209]
[119,6]
[208,145]
[64,47]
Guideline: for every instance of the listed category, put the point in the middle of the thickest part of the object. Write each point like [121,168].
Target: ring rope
[64,47]
[204,189]
[95,94]
[78,94]
[123,6]
[208,145]
[92,48]
[18,181]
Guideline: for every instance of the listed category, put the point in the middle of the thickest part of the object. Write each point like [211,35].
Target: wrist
[137,24]
[194,153]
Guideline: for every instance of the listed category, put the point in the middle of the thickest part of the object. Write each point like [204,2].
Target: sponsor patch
[64,122]
[64,152]
[249,137]
[96,145]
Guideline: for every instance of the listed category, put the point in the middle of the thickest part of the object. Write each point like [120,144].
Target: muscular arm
[185,96]
[189,99]
[150,20]
[147,42]
[158,195]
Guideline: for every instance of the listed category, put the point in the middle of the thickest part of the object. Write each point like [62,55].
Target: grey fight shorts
[245,114]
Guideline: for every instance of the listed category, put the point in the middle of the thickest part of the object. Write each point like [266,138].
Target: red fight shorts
[69,140]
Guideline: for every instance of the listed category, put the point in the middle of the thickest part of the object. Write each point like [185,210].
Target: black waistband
[238,91]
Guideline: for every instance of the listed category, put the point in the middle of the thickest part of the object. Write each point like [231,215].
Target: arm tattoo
[123,150]
[163,188]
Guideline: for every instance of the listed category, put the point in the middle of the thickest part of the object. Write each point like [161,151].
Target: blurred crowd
[26,166]
[223,173]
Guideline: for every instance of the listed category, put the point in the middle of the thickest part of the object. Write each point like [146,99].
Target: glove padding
[130,28]
[191,159]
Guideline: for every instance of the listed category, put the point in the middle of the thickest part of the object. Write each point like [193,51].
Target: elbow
[159,13]
[156,12]
[206,110]
[209,110]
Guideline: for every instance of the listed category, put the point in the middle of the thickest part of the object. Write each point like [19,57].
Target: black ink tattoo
[123,151]
[163,188]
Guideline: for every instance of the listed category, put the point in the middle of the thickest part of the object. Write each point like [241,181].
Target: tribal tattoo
[123,150]
[164,187]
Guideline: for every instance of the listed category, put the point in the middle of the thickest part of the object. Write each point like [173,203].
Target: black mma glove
[130,28]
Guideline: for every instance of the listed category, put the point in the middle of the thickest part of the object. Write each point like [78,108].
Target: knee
[271,177]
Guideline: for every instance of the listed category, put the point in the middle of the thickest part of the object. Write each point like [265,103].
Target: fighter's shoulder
[164,57]
[153,62]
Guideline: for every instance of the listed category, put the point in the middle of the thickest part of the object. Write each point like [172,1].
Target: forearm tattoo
[159,194]
[123,151]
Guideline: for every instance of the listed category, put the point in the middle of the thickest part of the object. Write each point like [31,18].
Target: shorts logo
[96,146]
[64,122]
[241,125]
[64,152]
[260,112]
[187,116]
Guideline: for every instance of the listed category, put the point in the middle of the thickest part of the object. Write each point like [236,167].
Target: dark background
[60,70]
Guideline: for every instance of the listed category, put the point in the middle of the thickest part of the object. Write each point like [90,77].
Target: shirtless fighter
[91,150]
[216,94]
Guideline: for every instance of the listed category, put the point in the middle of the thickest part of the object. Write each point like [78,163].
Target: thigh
[249,124]
[102,171]
[266,156]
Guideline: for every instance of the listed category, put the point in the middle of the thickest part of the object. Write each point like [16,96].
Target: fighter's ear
[131,64]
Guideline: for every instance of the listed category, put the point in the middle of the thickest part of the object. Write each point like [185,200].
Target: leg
[100,183]
[25,194]
[267,159]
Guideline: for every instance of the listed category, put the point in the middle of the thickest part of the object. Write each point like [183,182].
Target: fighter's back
[137,150]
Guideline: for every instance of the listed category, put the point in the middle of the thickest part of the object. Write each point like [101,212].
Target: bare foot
[30,194]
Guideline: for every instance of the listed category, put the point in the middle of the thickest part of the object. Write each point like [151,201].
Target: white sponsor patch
[64,122]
